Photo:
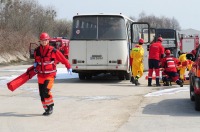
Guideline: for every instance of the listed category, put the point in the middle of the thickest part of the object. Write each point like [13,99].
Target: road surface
[103,104]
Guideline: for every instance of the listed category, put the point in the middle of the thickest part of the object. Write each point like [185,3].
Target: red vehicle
[59,43]
[188,43]
[194,76]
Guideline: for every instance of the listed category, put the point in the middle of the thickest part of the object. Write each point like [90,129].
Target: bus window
[135,34]
[166,33]
[140,30]
[111,27]
[99,27]
[84,28]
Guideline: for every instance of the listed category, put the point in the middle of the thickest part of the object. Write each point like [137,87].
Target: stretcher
[20,80]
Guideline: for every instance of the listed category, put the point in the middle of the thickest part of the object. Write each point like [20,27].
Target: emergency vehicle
[194,77]
[59,43]
[188,43]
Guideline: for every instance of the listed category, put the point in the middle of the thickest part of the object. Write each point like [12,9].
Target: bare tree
[159,22]
[22,21]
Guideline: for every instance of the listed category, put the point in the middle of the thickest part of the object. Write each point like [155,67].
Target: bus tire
[81,76]
[88,77]
[128,76]
[121,76]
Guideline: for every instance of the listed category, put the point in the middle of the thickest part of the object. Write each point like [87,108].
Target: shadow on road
[104,78]
[7,114]
[172,107]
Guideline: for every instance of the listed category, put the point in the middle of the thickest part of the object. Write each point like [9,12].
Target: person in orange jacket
[156,53]
[46,58]
[136,56]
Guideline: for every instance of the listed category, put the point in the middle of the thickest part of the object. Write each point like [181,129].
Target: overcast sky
[186,12]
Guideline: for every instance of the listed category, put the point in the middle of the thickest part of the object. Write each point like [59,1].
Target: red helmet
[167,52]
[160,39]
[141,41]
[44,36]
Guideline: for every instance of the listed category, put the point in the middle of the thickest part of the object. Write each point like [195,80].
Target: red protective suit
[170,71]
[46,58]
[169,63]
[156,50]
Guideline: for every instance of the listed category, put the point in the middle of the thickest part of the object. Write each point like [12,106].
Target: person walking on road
[156,52]
[169,65]
[46,58]
[136,56]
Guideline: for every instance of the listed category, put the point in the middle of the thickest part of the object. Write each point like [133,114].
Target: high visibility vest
[45,60]
[170,63]
[137,53]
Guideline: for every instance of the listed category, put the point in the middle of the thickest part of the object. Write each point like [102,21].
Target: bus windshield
[98,28]
[166,33]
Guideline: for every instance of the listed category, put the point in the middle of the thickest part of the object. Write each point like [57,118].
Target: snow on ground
[168,91]
[61,74]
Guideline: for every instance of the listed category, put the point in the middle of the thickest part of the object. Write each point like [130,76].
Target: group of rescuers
[173,69]
[47,57]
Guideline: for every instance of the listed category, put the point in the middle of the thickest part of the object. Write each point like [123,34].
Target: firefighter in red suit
[169,63]
[46,58]
[156,52]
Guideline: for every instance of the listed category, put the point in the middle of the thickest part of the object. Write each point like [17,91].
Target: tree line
[21,22]
[159,22]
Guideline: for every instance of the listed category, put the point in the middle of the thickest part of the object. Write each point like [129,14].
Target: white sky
[186,12]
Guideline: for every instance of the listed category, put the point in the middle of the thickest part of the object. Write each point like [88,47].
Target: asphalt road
[103,104]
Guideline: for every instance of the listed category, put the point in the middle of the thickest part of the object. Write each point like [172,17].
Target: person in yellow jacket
[183,64]
[136,56]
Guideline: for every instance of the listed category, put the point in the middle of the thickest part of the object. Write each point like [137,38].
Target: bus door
[141,30]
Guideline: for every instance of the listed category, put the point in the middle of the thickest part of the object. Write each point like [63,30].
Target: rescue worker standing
[156,52]
[136,55]
[170,71]
[46,58]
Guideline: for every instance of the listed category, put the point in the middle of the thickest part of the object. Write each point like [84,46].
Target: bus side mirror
[190,57]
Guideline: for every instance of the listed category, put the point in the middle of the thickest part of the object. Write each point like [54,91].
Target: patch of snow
[167,91]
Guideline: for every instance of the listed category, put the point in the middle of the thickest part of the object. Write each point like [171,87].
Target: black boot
[179,82]
[149,81]
[137,83]
[49,110]
[166,83]
[132,80]
[158,82]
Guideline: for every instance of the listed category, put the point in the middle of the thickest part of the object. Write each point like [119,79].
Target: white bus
[101,43]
